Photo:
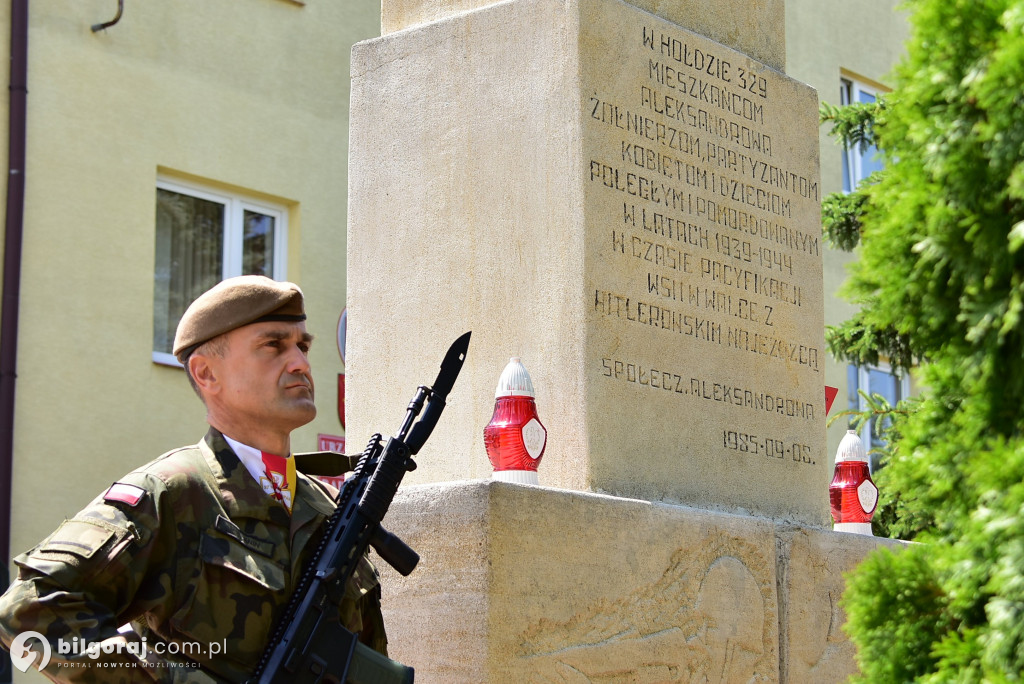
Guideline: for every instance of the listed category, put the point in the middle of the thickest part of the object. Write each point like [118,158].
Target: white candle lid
[851,448]
[514,381]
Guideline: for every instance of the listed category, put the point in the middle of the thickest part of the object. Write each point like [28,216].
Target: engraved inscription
[724,392]
[704,233]
[770,447]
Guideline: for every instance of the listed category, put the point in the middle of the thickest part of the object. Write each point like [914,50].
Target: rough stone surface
[812,564]
[438,617]
[755,28]
[529,584]
[630,208]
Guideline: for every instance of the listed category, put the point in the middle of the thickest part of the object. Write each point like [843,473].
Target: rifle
[309,643]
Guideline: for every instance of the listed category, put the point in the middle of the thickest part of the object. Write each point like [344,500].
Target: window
[859,163]
[874,380]
[202,237]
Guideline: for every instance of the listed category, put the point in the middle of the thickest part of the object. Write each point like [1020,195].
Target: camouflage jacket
[191,551]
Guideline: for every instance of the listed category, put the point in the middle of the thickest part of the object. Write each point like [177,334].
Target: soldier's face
[265,377]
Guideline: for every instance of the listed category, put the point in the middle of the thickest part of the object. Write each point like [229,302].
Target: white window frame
[850,88]
[235,205]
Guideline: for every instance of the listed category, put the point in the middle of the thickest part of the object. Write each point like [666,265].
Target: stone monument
[629,207]
[626,197]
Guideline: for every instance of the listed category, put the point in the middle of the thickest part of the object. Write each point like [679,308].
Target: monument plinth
[631,208]
[531,584]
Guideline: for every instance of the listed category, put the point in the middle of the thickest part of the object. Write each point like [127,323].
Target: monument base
[531,584]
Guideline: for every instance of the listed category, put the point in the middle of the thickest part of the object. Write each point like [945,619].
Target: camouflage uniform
[204,556]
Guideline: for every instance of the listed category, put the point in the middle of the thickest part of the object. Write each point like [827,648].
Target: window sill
[165,359]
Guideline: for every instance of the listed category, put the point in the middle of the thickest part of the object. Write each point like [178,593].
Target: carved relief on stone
[711,617]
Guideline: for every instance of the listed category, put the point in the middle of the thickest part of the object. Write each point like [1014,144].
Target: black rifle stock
[310,644]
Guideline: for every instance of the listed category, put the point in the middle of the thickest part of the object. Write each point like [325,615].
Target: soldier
[199,550]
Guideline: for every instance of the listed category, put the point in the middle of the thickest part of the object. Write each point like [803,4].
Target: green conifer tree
[940,284]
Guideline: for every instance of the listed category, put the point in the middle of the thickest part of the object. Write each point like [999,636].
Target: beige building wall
[823,41]
[243,95]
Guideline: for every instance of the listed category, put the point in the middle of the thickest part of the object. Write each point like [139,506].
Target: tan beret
[235,302]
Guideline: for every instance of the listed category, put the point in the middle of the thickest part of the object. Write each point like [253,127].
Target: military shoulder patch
[125,493]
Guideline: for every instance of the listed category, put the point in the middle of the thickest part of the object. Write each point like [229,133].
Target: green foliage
[840,218]
[896,601]
[864,344]
[855,123]
[940,284]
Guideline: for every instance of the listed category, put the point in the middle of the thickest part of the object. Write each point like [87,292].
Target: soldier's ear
[203,373]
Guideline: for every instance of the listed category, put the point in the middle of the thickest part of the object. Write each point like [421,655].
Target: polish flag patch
[125,493]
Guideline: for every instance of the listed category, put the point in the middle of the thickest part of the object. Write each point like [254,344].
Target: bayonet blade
[451,366]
